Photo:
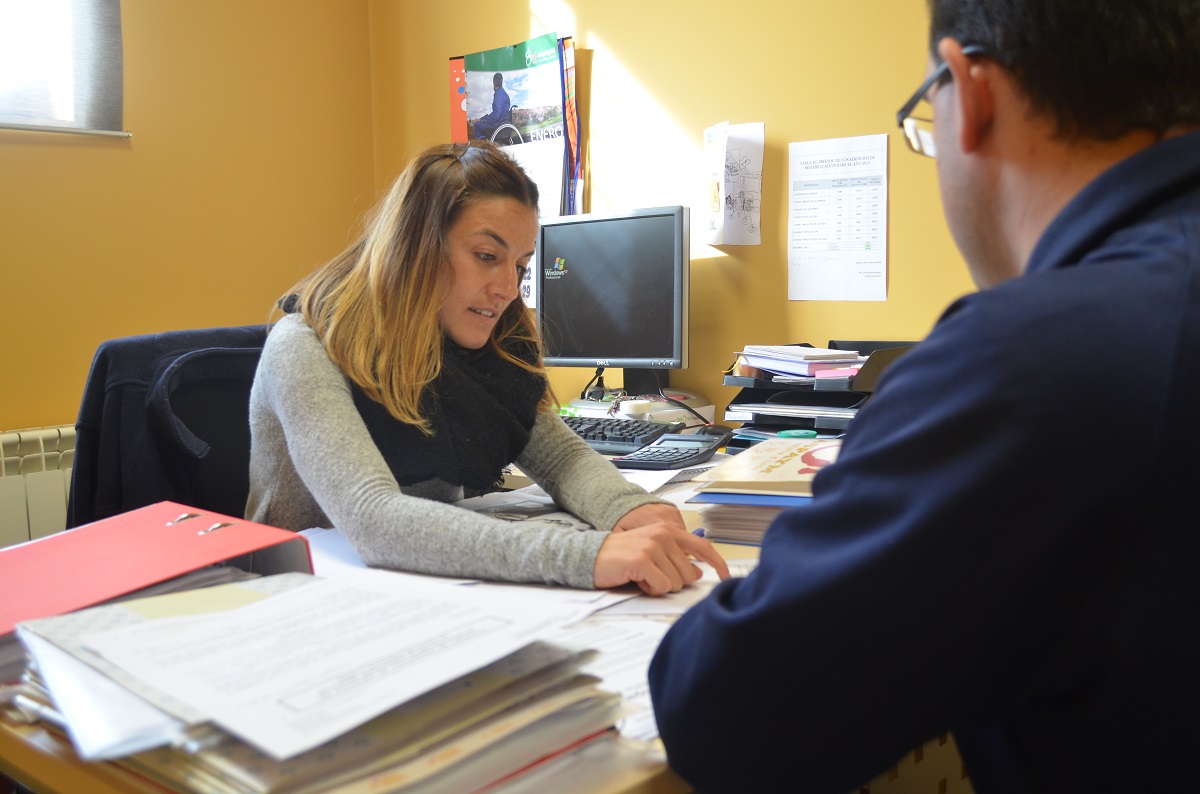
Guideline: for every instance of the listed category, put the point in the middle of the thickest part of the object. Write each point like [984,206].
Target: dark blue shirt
[1007,547]
[500,109]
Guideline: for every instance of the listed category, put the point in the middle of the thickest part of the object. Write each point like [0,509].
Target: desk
[43,761]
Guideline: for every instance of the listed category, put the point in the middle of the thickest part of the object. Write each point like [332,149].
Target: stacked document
[800,360]
[774,467]
[164,547]
[743,518]
[748,491]
[291,683]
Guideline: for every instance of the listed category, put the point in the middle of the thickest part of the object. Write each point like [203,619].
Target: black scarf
[481,409]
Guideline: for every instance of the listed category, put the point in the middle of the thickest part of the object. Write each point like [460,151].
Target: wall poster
[518,96]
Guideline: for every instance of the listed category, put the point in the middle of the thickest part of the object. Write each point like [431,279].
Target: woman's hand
[658,557]
[651,514]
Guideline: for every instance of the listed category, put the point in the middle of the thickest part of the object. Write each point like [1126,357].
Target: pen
[698,532]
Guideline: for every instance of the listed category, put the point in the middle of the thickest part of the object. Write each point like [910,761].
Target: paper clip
[215,527]
[183,517]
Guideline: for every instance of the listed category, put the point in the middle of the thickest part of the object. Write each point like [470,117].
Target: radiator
[34,482]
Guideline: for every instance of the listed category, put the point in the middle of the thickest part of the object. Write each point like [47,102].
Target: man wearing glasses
[1008,546]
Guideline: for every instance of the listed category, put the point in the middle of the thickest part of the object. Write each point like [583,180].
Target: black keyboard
[612,436]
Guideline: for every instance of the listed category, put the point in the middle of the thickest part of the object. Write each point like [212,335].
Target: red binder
[116,556]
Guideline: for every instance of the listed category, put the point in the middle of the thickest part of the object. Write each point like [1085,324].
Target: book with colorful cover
[775,466]
[743,517]
[749,499]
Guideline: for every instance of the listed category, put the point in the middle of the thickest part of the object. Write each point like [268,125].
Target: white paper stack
[369,681]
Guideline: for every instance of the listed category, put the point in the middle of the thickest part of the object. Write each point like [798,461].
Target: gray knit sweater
[313,464]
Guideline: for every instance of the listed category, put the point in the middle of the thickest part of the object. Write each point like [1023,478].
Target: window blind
[61,66]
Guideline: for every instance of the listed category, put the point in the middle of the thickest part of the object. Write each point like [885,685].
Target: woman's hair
[375,306]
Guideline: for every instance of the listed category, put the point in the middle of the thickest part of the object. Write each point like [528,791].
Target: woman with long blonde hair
[405,375]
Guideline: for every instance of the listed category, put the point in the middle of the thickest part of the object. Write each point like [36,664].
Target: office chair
[166,417]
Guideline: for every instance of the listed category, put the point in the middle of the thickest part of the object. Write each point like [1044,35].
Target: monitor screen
[613,289]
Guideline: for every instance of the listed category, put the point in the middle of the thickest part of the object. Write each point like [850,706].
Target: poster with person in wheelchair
[514,97]
[515,94]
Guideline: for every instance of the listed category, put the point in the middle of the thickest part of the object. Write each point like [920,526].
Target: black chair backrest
[202,401]
[165,417]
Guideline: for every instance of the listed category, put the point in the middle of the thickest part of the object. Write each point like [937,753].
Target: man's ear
[971,91]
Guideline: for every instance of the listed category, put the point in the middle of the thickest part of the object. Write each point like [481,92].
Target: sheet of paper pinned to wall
[837,219]
[734,157]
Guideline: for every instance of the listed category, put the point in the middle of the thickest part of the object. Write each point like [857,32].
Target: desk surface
[42,761]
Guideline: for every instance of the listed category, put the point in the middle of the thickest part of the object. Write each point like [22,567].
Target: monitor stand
[645,381]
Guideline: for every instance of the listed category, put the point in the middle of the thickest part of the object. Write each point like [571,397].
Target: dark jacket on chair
[164,417]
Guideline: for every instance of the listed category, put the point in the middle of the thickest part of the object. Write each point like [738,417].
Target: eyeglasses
[918,131]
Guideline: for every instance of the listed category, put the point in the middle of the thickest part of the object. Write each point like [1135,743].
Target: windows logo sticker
[558,269]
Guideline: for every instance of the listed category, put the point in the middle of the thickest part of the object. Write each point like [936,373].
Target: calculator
[673,451]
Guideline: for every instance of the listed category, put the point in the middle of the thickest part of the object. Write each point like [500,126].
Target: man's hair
[497,79]
[1099,68]
[375,306]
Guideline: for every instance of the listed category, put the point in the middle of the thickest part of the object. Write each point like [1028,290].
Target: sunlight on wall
[638,155]
[638,150]
[550,16]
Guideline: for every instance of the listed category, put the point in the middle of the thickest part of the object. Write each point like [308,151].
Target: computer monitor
[613,292]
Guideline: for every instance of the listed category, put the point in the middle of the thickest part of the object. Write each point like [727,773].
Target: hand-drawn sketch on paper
[734,153]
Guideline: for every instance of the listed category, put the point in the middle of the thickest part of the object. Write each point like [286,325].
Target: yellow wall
[263,129]
[251,158]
